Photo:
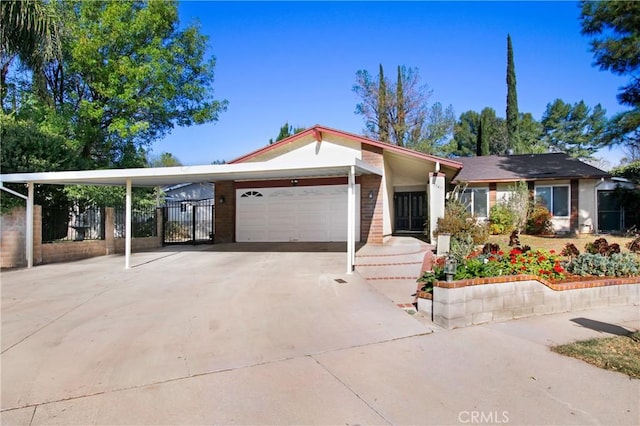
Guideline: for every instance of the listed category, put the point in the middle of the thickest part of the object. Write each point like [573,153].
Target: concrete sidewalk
[500,373]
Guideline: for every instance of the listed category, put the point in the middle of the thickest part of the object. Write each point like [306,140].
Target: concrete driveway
[250,334]
[92,328]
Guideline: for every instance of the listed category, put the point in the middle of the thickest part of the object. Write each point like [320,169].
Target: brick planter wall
[72,250]
[138,244]
[469,302]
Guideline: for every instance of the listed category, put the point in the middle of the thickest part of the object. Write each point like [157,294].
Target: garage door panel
[316,213]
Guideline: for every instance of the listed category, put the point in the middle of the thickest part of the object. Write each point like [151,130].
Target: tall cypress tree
[482,141]
[512,101]
[402,113]
[383,108]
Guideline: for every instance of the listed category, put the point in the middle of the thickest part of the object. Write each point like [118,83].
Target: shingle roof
[509,168]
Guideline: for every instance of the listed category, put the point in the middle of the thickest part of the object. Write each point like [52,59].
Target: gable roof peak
[319,130]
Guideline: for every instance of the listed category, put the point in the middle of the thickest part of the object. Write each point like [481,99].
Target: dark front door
[410,211]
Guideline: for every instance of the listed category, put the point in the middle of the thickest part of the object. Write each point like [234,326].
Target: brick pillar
[37,234]
[13,238]
[225,212]
[160,224]
[575,200]
[109,226]
[371,208]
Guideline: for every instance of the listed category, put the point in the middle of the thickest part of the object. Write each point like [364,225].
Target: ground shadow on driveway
[602,327]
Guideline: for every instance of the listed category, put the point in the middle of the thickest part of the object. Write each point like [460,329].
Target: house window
[251,194]
[554,198]
[477,201]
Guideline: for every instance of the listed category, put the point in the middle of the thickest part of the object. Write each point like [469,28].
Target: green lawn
[620,353]
[557,243]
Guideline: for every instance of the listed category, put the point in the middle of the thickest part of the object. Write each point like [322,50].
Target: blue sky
[296,62]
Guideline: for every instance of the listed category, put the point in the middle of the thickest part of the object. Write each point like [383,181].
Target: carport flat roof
[162,176]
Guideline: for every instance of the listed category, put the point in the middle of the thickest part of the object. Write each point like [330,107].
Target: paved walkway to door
[394,267]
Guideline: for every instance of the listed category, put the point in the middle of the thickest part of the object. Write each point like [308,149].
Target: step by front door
[410,211]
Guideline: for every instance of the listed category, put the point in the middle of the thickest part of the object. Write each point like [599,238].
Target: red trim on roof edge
[317,130]
[509,180]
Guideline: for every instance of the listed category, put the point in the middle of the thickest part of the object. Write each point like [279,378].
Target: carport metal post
[127,227]
[351,210]
[29,236]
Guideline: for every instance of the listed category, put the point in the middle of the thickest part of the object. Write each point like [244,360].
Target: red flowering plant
[536,262]
[520,260]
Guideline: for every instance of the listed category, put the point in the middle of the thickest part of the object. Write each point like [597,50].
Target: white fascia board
[185,174]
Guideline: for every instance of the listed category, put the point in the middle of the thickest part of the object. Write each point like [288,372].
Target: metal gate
[188,222]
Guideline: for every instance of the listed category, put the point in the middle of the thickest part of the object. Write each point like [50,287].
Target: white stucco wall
[503,192]
[560,224]
[587,208]
[388,213]
[312,152]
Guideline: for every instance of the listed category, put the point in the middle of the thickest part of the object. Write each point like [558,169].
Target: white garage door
[306,213]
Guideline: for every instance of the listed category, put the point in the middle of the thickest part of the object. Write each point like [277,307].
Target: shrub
[429,277]
[502,219]
[570,250]
[634,246]
[461,247]
[514,239]
[491,248]
[518,203]
[602,247]
[539,222]
[463,227]
[615,265]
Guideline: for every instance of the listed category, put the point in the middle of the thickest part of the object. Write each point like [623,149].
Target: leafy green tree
[286,131]
[382,109]
[615,28]
[483,136]
[29,31]
[465,134]
[129,76]
[530,131]
[513,134]
[165,159]
[495,131]
[575,129]
[629,171]
[439,126]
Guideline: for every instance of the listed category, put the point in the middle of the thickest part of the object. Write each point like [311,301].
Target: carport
[152,177]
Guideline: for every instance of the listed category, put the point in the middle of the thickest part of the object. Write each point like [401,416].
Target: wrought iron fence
[72,224]
[143,222]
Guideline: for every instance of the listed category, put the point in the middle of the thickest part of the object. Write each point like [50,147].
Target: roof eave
[317,131]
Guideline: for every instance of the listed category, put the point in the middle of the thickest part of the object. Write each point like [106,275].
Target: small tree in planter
[464,228]
[539,222]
